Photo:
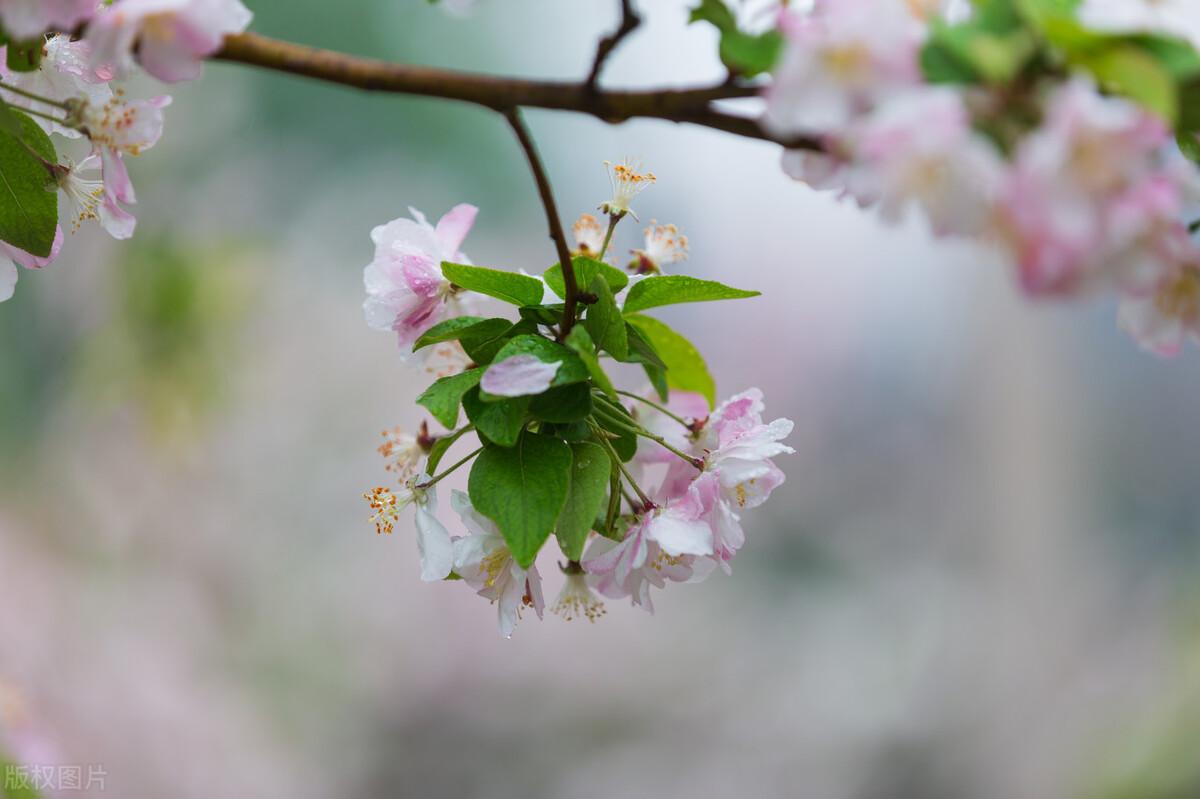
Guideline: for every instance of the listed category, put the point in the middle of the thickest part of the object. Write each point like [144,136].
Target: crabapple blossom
[664,245]
[406,291]
[433,540]
[630,568]
[519,376]
[11,257]
[589,236]
[484,562]
[1084,184]
[402,452]
[576,600]
[738,446]
[840,59]
[169,38]
[119,128]
[1161,319]
[628,181]
[27,19]
[91,200]
[919,147]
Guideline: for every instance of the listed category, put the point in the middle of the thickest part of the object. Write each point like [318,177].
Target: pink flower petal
[519,376]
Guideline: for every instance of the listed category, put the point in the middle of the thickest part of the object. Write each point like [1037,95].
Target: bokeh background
[979,581]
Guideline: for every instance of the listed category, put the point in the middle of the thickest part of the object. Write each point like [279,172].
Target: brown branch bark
[689,105]
[570,284]
[629,23]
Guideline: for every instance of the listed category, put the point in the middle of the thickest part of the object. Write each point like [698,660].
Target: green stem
[655,406]
[32,112]
[612,454]
[435,480]
[633,427]
[36,97]
[1194,227]
[614,500]
[613,219]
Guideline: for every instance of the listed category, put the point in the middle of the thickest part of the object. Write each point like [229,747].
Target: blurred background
[979,581]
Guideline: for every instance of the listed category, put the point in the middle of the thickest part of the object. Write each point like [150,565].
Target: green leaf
[543,314]
[1189,143]
[940,64]
[604,321]
[750,54]
[508,286]
[443,397]
[625,442]
[1137,75]
[1177,56]
[522,489]
[581,342]
[563,405]
[461,327]
[996,56]
[641,350]
[590,468]
[499,421]
[586,270]
[10,119]
[25,56]
[675,289]
[571,369]
[28,211]
[686,370]
[716,12]
[483,349]
[442,445]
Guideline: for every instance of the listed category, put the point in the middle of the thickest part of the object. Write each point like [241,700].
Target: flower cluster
[638,491]
[71,89]
[1081,188]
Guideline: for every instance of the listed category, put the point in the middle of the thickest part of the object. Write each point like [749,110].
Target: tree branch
[629,23]
[691,105]
[513,115]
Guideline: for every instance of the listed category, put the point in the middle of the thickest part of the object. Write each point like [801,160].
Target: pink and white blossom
[169,38]
[482,559]
[406,291]
[29,19]
[920,148]
[576,600]
[519,376]
[738,448]
[589,236]
[840,59]
[1089,195]
[120,128]
[680,524]
[633,566]
[91,200]
[664,245]
[1163,318]
[433,540]
[11,257]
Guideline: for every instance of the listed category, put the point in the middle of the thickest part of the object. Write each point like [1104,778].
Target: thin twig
[571,287]
[629,23]
[435,480]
